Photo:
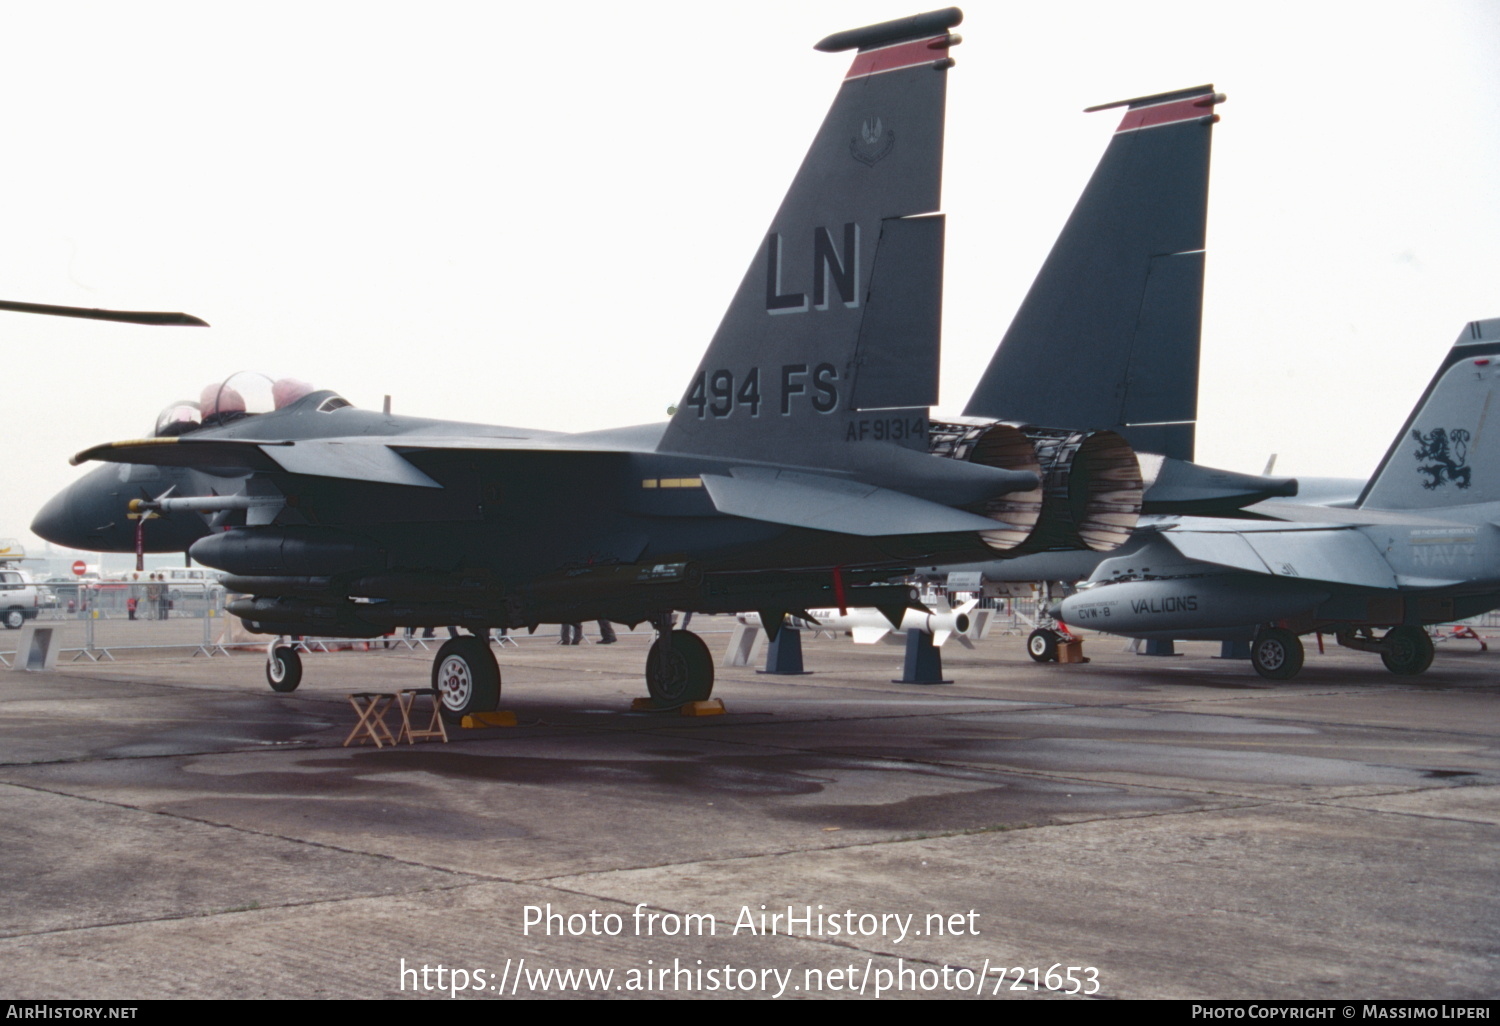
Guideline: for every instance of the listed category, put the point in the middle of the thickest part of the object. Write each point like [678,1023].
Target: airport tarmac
[1173,827]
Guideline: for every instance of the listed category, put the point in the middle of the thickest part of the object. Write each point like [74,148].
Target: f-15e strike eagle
[798,470]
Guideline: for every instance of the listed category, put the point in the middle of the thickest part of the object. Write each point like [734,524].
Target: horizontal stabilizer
[1178,487]
[1335,555]
[831,504]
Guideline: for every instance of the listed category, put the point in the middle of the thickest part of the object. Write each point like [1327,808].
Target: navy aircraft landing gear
[283,666]
[466,677]
[1276,653]
[1041,644]
[679,668]
[1406,650]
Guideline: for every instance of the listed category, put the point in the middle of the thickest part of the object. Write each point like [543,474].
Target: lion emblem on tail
[1446,453]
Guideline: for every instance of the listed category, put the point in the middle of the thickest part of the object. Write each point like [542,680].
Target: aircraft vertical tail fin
[1448,451]
[839,311]
[1108,335]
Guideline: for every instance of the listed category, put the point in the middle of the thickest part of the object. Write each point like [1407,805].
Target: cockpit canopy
[242,394]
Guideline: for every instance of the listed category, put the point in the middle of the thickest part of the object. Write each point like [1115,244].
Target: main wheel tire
[685,673]
[1406,650]
[1041,645]
[1276,654]
[284,669]
[467,678]
[13,619]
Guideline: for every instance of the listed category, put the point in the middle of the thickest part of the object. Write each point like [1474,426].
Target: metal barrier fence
[93,622]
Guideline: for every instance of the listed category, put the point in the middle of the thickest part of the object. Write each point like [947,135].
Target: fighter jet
[796,471]
[1420,546]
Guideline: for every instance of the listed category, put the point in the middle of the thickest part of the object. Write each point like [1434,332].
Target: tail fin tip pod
[1121,293]
[1448,450]
[831,339]
[899,30]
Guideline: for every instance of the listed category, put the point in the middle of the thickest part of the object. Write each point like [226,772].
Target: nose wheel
[283,667]
[1041,645]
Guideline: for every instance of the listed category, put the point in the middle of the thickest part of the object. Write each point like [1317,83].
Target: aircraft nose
[56,523]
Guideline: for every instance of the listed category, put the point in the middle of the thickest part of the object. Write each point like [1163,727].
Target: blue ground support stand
[1234,650]
[1159,648]
[924,661]
[784,654]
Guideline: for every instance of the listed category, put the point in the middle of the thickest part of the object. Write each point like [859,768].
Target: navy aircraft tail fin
[832,337]
[1107,337]
[1448,451]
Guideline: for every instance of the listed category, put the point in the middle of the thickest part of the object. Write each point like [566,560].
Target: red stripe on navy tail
[1190,109]
[901,55]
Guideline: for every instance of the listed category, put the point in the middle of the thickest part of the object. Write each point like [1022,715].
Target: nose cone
[55,521]
[90,514]
[1055,610]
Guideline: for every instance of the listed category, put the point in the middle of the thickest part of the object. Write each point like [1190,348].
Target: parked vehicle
[18,597]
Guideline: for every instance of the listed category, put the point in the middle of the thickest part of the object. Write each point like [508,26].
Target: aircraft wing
[1334,554]
[814,501]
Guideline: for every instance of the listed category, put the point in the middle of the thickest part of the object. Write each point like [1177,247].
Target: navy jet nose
[55,522]
[91,513]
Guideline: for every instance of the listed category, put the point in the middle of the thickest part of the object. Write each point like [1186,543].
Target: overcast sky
[534,214]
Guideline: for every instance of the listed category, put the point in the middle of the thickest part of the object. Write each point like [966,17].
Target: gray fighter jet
[1420,546]
[795,473]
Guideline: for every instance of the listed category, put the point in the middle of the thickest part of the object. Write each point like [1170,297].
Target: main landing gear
[1406,650]
[1276,653]
[679,670]
[466,677]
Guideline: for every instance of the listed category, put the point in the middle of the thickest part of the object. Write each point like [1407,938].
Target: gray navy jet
[1420,546]
[796,472]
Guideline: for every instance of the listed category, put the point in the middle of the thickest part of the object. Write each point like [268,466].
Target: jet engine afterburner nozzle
[992,444]
[1093,487]
[1091,491]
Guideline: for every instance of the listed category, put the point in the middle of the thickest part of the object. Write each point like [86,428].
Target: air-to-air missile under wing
[795,473]
[1421,546]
